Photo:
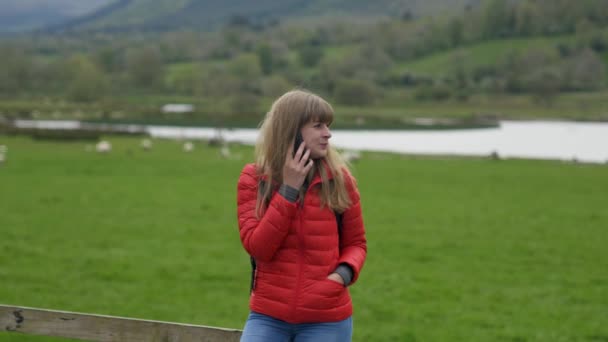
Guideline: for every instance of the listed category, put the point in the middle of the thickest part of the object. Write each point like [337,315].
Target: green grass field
[459,249]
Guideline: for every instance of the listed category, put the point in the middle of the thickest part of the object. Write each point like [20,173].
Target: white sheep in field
[3,150]
[225,152]
[351,156]
[103,147]
[188,146]
[146,144]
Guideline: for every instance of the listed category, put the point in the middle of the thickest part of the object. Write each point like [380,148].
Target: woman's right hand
[297,166]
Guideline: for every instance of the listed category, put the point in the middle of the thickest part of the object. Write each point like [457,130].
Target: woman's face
[316,136]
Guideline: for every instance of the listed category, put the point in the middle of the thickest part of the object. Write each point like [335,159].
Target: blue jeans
[262,328]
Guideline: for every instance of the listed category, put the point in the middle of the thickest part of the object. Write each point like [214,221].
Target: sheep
[188,146]
[103,147]
[146,144]
[3,150]
[225,152]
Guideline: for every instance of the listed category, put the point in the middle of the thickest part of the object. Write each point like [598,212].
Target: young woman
[300,220]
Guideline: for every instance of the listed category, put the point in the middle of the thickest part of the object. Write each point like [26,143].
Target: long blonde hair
[286,117]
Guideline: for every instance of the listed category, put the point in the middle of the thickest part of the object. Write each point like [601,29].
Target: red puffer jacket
[296,248]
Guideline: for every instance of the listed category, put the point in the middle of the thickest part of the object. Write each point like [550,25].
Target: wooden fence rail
[101,328]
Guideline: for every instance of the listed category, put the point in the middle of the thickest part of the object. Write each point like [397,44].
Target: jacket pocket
[329,288]
[324,294]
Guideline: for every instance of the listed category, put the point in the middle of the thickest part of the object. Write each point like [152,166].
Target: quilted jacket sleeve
[353,244]
[261,238]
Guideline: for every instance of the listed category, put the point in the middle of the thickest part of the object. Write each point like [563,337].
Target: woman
[300,220]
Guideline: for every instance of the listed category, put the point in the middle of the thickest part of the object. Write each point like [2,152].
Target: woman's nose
[327,133]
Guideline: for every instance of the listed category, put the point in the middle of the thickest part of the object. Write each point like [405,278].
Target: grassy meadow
[459,249]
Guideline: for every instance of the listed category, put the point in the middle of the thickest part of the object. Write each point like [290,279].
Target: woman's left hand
[336,277]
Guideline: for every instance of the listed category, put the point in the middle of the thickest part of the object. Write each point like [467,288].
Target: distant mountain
[23,15]
[162,15]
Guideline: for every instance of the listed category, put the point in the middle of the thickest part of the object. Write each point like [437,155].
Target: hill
[163,15]
[25,15]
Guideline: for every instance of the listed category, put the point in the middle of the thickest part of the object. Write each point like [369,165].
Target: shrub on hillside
[354,92]
[275,86]
[434,92]
[245,103]
[310,55]
[584,71]
[544,84]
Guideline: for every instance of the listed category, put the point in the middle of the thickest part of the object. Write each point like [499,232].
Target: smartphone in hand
[297,142]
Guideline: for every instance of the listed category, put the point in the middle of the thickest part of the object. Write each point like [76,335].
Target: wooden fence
[15,319]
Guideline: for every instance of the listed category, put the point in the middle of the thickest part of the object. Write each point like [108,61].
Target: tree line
[353,63]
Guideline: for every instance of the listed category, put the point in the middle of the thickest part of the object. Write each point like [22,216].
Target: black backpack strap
[253,267]
[339,222]
[261,189]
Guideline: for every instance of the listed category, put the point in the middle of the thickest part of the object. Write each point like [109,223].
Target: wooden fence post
[101,328]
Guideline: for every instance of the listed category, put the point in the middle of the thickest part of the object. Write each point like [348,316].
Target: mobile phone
[297,142]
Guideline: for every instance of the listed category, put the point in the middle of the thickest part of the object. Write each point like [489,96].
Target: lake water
[558,140]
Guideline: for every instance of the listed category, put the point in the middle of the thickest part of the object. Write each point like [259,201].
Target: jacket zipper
[300,235]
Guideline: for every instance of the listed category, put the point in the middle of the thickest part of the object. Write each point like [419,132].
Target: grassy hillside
[30,14]
[137,12]
[209,14]
[478,55]
[69,7]
[486,250]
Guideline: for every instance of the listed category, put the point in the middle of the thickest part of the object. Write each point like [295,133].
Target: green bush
[354,92]
[436,92]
